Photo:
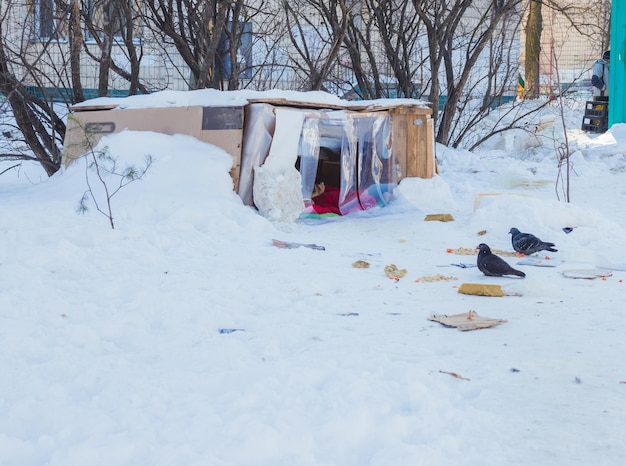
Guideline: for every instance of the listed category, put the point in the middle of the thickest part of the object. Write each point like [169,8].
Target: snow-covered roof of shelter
[213,97]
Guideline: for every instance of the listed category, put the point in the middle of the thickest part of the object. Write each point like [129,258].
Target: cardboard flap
[466,321]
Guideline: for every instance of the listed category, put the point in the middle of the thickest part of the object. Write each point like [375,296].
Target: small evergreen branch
[104,166]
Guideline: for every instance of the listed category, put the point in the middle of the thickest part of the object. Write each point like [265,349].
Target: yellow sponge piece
[480,289]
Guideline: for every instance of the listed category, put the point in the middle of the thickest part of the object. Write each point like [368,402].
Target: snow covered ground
[184,337]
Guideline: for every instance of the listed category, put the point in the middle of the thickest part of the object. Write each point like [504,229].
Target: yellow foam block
[481,289]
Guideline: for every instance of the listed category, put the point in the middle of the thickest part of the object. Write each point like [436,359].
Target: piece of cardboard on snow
[588,274]
[439,218]
[221,126]
[466,321]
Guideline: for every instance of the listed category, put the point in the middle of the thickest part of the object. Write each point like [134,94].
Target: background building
[573,37]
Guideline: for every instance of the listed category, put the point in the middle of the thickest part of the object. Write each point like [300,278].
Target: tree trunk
[76,43]
[533,49]
[126,15]
[106,47]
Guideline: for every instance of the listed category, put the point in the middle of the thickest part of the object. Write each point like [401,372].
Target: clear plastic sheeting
[259,126]
[367,171]
[277,183]
[362,143]
[309,156]
[351,152]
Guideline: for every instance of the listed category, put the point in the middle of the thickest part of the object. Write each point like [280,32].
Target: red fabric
[327,202]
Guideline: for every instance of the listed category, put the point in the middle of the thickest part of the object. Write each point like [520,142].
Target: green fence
[62,94]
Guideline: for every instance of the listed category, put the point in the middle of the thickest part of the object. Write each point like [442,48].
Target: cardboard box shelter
[221,126]
[282,147]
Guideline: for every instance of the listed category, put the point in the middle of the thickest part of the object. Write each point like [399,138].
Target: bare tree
[495,78]
[399,29]
[33,52]
[316,46]
[41,128]
[114,23]
[458,33]
[208,35]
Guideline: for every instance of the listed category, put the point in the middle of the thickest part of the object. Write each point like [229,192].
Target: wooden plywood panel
[399,139]
[412,132]
[421,149]
[413,148]
[431,161]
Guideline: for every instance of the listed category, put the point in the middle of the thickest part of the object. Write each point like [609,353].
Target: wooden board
[413,141]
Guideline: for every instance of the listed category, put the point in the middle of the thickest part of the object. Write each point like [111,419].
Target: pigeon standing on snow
[527,243]
[492,265]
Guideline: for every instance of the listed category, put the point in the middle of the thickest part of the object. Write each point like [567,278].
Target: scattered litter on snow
[455,375]
[462,251]
[393,272]
[463,265]
[360,264]
[435,278]
[291,245]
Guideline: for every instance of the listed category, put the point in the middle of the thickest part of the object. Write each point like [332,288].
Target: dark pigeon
[527,243]
[492,265]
